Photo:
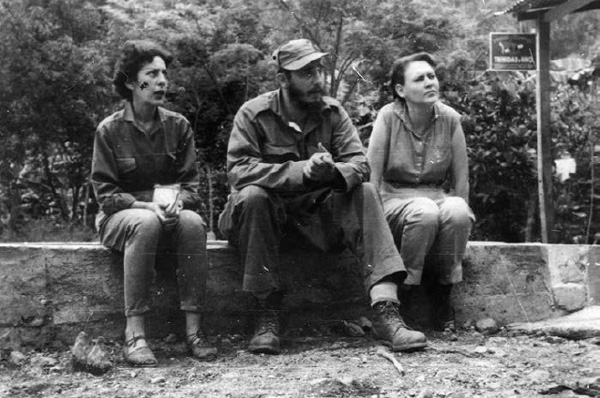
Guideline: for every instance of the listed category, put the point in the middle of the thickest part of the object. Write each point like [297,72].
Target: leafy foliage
[58,56]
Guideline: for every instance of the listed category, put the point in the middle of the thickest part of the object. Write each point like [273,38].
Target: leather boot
[266,326]
[443,311]
[390,329]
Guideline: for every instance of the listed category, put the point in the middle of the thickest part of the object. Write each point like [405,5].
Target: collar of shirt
[276,105]
[401,110]
[129,116]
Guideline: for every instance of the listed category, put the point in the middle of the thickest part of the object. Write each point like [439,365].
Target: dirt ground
[506,364]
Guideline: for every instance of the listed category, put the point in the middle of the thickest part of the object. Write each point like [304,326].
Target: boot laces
[268,321]
[389,311]
[199,339]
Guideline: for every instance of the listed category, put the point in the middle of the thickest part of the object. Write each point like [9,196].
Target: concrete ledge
[50,291]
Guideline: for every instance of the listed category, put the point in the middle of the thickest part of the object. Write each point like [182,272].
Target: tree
[54,79]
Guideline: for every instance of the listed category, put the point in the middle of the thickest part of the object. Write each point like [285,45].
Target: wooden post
[544,137]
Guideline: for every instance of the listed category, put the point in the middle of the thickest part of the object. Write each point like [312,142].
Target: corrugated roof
[528,9]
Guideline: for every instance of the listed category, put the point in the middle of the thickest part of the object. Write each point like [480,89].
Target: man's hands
[320,167]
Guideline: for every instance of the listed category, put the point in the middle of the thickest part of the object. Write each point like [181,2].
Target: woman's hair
[136,54]
[400,65]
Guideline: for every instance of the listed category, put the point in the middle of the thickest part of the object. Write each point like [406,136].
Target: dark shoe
[201,348]
[266,333]
[141,356]
[390,329]
[443,312]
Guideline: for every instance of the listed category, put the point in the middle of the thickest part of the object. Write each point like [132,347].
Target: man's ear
[399,89]
[282,79]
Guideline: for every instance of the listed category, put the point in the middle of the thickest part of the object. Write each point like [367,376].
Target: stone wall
[49,292]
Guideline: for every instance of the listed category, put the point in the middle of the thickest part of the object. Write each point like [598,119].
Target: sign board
[513,51]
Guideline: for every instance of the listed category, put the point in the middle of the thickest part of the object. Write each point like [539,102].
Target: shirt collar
[400,109]
[129,116]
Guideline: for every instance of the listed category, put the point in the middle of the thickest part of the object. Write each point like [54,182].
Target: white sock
[384,291]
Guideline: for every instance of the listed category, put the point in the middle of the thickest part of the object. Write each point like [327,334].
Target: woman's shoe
[201,348]
[141,356]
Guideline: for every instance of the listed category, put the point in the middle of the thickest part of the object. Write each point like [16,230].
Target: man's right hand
[320,166]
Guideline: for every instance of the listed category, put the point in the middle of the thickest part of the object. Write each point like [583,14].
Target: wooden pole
[544,137]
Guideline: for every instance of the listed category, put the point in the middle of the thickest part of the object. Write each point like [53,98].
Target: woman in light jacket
[418,158]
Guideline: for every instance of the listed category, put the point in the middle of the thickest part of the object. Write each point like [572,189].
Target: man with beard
[298,171]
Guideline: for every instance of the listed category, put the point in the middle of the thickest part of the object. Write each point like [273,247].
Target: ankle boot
[390,329]
[266,326]
[443,311]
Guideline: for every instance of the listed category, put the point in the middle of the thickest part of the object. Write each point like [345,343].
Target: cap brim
[302,62]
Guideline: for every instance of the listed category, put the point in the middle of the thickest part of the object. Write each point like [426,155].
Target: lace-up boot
[266,333]
[266,326]
[390,329]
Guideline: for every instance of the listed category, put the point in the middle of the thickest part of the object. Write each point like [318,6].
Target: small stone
[90,356]
[40,361]
[486,326]
[347,380]
[158,380]
[364,323]
[539,376]
[17,358]
[445,374]
[480,349]
[593,340]
[98,360]
[425,394]
[353,330]
[171,338]
[498,340]
[468,324]
[588,381]
[500,353]
[554,339]
[37,322]
[80,349]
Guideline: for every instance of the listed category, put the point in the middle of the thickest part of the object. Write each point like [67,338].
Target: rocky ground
[326,363]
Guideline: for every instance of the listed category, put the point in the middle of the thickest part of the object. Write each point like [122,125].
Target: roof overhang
[549,10]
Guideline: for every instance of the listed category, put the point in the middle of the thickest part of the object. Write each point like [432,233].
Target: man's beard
[297,95]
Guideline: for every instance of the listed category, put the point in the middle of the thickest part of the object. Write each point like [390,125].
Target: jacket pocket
[280,153]
[125,165]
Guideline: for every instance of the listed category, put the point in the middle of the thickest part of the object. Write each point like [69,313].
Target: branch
[300,21]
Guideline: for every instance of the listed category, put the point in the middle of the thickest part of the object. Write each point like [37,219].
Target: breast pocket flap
[125,165]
